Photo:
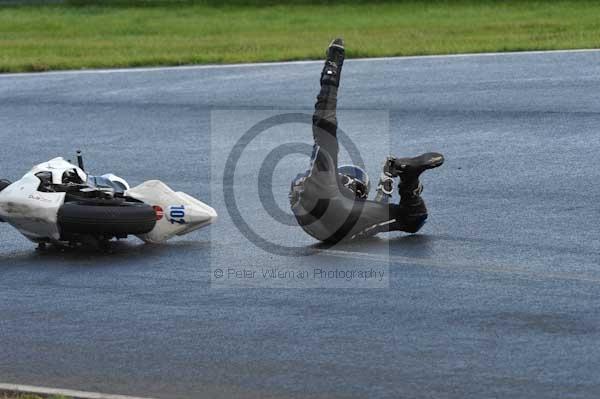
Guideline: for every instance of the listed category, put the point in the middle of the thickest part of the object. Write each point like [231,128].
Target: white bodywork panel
[31,212]
[118,179]
[181,213]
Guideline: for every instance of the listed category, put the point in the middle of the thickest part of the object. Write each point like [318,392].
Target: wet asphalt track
[498,296]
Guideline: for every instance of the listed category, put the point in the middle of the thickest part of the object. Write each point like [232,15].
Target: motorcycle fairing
[177,213]
[31,212]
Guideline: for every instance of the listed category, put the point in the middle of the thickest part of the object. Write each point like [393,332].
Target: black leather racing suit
[326,209]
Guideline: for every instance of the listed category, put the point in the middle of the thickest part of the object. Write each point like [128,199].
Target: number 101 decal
[177,214]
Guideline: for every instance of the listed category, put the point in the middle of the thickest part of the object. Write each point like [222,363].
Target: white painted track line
[262,64]
[61,392]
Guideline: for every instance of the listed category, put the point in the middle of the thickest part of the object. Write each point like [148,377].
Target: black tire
[106,220]
[4,183]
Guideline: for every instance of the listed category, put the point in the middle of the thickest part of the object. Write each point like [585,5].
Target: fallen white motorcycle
[57,202]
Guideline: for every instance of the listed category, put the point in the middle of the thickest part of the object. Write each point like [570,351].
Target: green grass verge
[68,36]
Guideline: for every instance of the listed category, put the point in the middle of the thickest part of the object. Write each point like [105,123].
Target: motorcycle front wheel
[82,218]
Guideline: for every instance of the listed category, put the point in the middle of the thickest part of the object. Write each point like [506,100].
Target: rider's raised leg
[324,118]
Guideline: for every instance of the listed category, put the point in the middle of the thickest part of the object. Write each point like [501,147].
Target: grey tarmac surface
[497,296]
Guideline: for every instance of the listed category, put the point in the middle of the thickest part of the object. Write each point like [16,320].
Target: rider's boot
[410,187]
[333,65]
